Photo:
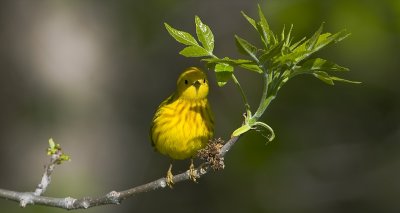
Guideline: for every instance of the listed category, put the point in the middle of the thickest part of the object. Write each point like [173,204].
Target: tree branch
[113,197]
[46,178]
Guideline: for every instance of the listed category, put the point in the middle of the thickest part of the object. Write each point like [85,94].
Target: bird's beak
[196,84]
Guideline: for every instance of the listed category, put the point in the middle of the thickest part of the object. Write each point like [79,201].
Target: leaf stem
[266,126]
[246,104]
[235,80]
[265,100]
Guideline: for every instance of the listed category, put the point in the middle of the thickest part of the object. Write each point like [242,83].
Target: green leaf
[266,127]
[233,62]
[263,21]
[267,36]
[223,72]
[310,44]
[222,67]
[297,44]
[328,38]
[289,37]
[250,20]
[321,65]
[273,52]
[283,33]
[223,77]
[241,130]
[319,68]
[205,35]
[263,28]
[181,36]
[194,51]
[323,76]
[62,158]
[292,58]
[344,80]
[246,48]
[52,144]
[244,63]
[322,41]
[252,67]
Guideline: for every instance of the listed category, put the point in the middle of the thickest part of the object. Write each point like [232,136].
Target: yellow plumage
[183,123]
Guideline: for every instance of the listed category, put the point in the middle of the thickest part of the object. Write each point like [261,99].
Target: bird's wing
[157,113]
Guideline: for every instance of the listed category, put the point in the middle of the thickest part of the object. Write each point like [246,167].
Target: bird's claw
[192,173]
[169,179]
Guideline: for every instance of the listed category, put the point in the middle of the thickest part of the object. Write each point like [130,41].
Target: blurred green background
[91,73]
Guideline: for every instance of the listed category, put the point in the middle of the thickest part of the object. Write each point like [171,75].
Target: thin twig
[112,197]
[46,178]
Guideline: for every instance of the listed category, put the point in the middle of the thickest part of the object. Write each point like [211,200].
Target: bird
[183,123]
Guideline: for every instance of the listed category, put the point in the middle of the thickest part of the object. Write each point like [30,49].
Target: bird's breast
[183,127]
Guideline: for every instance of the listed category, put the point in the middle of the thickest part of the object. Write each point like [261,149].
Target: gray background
[90,74]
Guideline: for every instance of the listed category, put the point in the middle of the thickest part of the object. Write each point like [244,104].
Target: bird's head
[192,84]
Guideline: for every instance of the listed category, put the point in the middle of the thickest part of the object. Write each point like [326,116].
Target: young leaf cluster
[278,59]
[55,150]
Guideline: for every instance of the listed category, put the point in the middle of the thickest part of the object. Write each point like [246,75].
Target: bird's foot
[192,172]
[169,179]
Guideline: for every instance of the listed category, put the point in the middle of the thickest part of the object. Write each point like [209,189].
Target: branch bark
[113,197]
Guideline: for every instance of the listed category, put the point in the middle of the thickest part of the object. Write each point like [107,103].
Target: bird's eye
[204,80]
[186,82]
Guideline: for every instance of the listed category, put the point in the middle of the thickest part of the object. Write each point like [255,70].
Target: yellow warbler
[183,123]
